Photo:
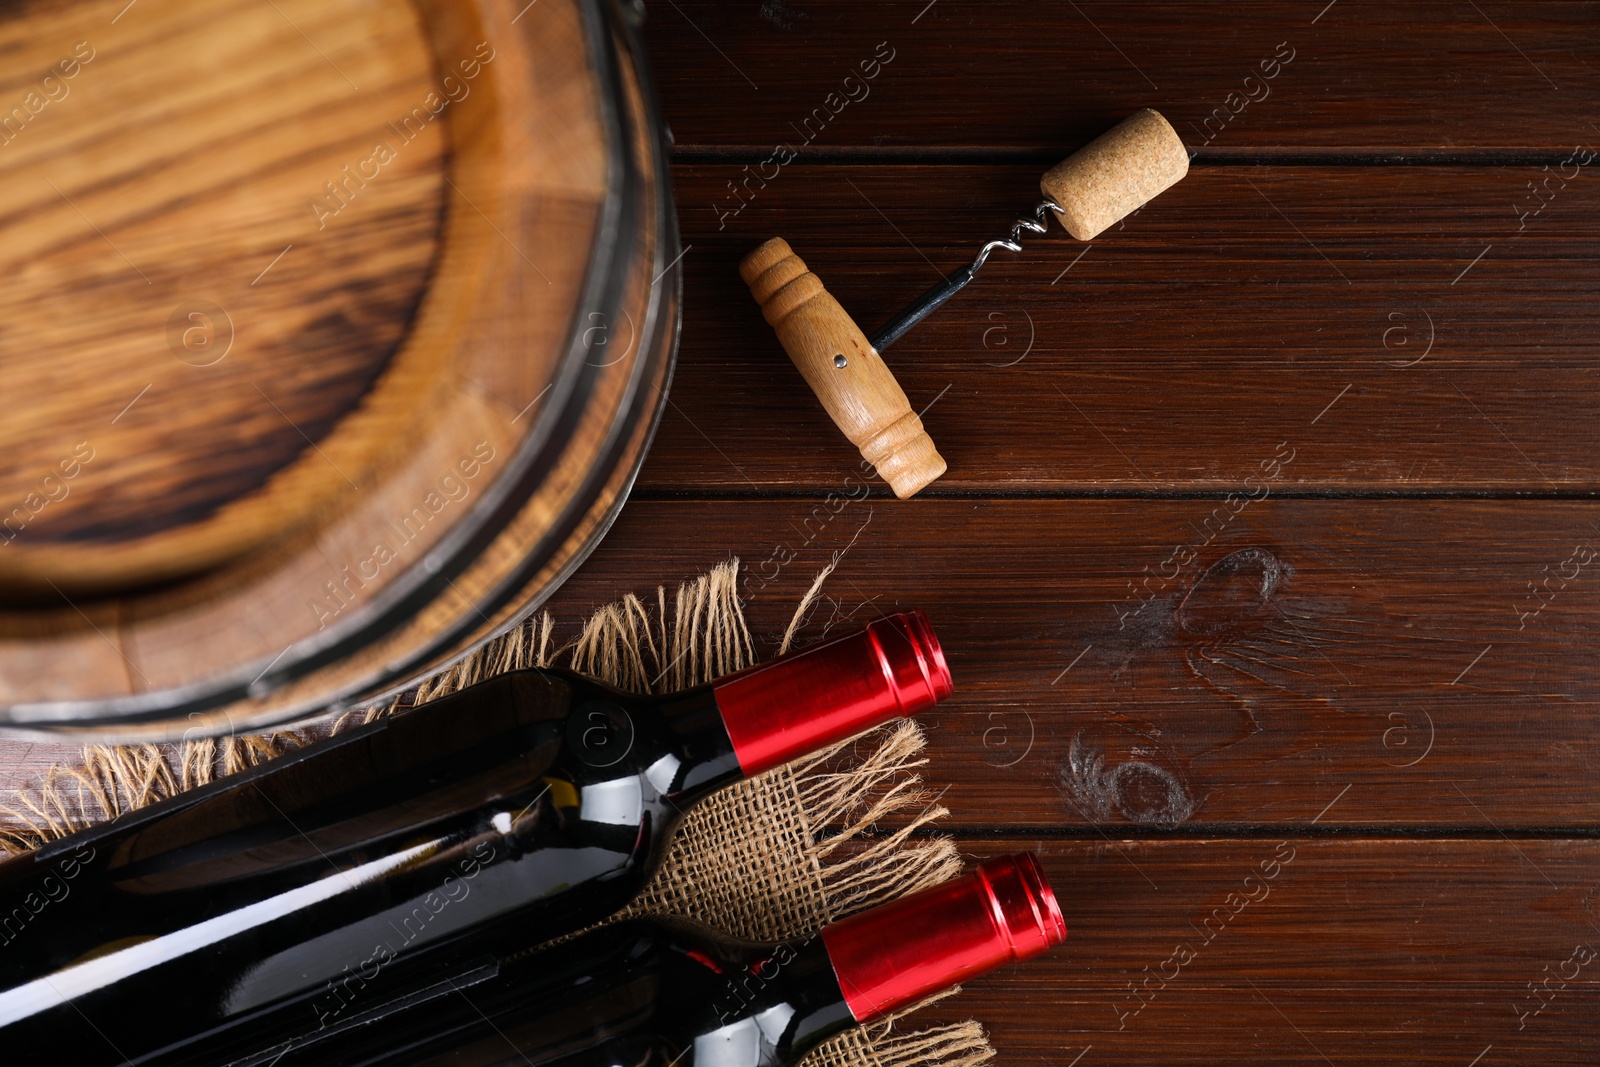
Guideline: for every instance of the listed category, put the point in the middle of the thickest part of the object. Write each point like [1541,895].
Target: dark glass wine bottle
[652,993]
[416,847]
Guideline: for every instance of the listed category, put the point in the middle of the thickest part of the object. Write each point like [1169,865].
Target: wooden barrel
[332,333]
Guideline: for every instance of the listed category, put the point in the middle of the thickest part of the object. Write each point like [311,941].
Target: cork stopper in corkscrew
[843,369]
[1116,174]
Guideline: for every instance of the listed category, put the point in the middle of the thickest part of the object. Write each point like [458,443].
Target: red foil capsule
[778,711]
[896,954]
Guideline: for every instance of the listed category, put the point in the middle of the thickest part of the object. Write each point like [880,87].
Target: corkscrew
[1105,181]
[925,304]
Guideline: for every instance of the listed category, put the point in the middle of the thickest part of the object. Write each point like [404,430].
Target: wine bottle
[518,810]
[655,992]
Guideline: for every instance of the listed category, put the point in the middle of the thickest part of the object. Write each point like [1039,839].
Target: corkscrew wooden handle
[842,368]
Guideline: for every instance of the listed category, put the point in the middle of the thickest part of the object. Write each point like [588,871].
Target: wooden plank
[1084,696]
[1293,951]
[1390,78]
[1403,328]
[1398,650]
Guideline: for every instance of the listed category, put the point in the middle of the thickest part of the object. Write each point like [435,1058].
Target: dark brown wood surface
[1377,656]
[1387,646]
[1283,950]
[1407,79]
[1385,658]
[1376,319]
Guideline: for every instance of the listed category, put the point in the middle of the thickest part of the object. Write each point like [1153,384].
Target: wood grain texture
[208,266]
[1387,652]
[1283,950]
[1410,704]
[1153,665]
[844,371]
[1400,698]
[1366,76]
[478,465]
[1243,307]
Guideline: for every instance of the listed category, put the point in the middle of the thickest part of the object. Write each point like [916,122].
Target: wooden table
[1267,560]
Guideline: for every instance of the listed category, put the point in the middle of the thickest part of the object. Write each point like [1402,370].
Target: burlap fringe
[112,780]
[957,1045]
[879,1045]
[771,858]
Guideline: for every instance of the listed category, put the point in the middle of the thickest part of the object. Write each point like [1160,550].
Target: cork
[1116,174]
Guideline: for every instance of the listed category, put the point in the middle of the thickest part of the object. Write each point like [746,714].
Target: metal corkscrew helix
[1105,181]
[924,305]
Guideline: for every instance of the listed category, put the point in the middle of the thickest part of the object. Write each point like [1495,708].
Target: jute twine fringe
[775,857]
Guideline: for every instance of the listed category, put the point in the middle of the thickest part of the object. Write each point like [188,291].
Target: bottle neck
[901,952]
[678,743]
[805,701]
[698,740]
[693,743]
[787,1002]
[872,964]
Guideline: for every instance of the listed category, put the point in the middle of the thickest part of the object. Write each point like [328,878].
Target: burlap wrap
[775,857]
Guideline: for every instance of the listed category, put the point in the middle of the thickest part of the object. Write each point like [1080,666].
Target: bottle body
[643,992]
[371,866]
[279,899]
[665,993]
